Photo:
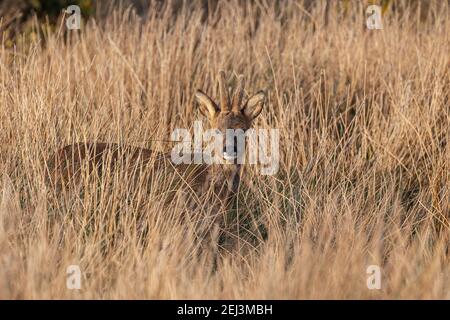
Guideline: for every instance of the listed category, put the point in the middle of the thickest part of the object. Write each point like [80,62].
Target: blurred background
[17,15]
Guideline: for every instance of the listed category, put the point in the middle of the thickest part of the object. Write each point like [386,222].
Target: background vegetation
[364,173]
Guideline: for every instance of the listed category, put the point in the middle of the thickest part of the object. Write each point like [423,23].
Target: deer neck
[225,178]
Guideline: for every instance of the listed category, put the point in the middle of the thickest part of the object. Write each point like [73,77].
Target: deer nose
[230,151]
[231,146]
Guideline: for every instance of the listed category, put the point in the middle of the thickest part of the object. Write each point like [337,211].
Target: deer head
[231,113]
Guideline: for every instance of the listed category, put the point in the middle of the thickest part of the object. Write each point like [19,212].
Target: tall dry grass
[364,172]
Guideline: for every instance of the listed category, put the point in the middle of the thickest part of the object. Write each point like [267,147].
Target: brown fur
[65,166]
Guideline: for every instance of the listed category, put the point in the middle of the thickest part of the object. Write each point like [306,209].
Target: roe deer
[222,179]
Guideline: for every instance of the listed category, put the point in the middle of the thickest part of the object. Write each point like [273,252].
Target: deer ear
[207,107]
[254,105]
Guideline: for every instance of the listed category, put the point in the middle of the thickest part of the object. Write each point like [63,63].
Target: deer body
[64,167]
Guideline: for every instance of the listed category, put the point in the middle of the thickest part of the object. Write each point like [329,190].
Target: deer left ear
[254,105]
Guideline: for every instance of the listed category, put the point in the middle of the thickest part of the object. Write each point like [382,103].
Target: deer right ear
[207,107]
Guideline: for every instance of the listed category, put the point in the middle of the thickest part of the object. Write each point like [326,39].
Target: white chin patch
[229,157]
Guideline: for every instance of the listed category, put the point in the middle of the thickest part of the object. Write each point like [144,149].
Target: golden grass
[364,172]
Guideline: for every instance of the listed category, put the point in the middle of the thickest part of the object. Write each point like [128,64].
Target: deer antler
[224,98]
[238,94]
